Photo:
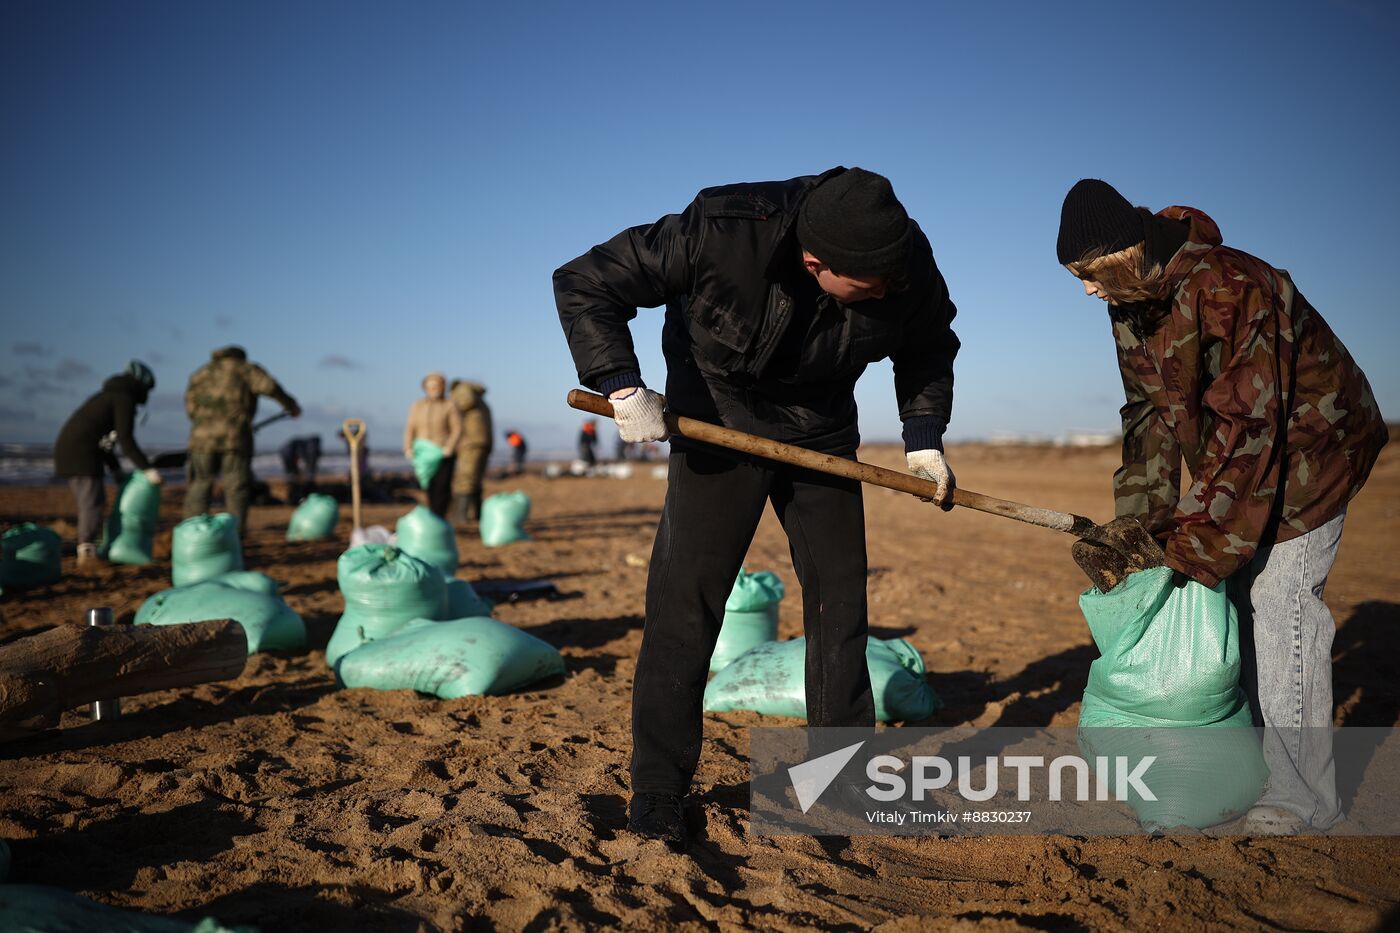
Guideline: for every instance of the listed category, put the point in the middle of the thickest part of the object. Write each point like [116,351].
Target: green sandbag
[249,580]
[770,679]
[428,537]
[30,555]
[269,623]
[502,518]
[204,547]
[1169,667]
[314,519]
[33,908]
[427,457]
[750,616]
[462,657]
[384,588]
[131,528]
[463,601]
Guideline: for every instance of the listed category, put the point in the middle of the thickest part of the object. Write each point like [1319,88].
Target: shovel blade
[1112,551]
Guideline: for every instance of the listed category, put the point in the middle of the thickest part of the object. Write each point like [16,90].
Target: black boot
[474,506]
[462,511]
[659,816]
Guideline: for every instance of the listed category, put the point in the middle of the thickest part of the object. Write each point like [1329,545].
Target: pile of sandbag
[30,555]
[314,519]
[131,528]
[247,597]
[1167,684]
[750,616]
[503,518]
[384,588]
[204,547]
[31,908]
[771,679]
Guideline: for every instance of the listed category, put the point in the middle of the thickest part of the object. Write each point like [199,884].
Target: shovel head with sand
[1106,553]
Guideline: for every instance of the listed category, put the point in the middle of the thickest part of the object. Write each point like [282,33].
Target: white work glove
[930,465]
[153,476]
[638,413]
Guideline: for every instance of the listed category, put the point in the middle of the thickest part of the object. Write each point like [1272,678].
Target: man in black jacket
[79,455]
[778,295]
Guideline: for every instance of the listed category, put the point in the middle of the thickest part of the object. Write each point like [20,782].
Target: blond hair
[1124,276]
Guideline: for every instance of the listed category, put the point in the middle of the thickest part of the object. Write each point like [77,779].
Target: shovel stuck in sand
[1106,553]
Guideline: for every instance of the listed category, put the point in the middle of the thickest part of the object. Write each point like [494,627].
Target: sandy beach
[279,800]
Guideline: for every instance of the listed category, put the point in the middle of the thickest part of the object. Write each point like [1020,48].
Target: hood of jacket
[126,385]
[467,395]
[230,353]
[1204,237]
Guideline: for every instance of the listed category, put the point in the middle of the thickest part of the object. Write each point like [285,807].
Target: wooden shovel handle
[354,431]
[691,429]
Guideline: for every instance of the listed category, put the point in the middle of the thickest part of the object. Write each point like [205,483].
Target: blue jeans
[1286,633]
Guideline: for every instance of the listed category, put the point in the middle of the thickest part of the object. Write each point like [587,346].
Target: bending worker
[778,295]
[1227,367]
[79,454]
[221,400]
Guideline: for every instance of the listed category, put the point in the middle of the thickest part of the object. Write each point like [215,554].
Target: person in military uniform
[221,400]
[1227,366]
[473,449]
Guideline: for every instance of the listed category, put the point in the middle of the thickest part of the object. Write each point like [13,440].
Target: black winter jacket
[77,452]
[729,271]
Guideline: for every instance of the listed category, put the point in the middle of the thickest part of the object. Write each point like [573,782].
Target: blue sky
[362,192]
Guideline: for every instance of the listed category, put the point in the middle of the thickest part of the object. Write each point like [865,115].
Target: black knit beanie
[855,224]
[1096,216]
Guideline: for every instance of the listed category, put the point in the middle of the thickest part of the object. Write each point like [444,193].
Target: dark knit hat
[855,224]
[1096,216]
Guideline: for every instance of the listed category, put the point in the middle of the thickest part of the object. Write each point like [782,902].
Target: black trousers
[713,505]
[440,487]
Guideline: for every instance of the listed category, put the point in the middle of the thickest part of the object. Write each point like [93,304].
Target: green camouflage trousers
[237,474]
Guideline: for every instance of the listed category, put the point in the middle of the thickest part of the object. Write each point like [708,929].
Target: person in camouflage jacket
[1227,367]
[221,400]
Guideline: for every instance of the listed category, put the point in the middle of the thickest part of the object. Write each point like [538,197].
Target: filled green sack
[384,588]
[131,528]
[461,657]
[503,518]
[269,623]
[1167,682]
[204,547]
[314,519]
[771,679]
[750,616]
[30,555]
[427,457]
[428,537]
[249,580]
[463,601]
[33,908]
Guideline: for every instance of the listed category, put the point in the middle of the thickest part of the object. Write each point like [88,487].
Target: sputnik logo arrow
[811,778]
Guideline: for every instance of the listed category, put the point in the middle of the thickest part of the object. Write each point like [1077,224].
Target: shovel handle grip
[705,432]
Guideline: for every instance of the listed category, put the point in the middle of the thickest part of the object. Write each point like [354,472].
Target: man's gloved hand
[930,465]
[638,412]
[153,476]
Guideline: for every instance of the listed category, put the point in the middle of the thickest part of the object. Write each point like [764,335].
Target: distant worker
[473,449]
[79,454]
[625,450]
[588,443]
[435,419]
[221,400]
[516,440]
[300,458]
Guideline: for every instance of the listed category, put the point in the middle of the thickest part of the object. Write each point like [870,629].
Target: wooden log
[71,665]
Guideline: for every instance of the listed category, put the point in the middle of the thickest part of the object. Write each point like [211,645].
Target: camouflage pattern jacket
[223,396]
[1244,380]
